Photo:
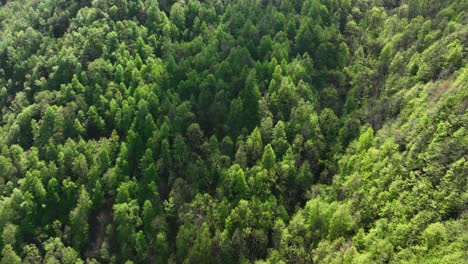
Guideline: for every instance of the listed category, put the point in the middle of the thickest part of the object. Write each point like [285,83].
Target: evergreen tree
[235,181]
[250,97]
[201,251]
[305,131]
[269,157]
[79,220]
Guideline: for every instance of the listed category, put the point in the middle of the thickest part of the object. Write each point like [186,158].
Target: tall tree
[269,157]
[79,218]
[250,96]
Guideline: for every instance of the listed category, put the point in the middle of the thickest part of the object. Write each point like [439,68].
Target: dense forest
[224,131]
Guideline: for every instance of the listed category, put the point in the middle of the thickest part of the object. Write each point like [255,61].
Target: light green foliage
[235,181]
[127,220]
[9,256]
[434,235]
[305,131]
[9,234]
[365,141]
[341,222]
[254,145]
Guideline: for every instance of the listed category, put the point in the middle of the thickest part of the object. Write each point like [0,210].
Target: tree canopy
[293,131]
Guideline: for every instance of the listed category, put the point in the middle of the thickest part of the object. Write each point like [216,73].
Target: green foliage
[9,256]
[269,157]
[235,181]
[79,220]
[313,131]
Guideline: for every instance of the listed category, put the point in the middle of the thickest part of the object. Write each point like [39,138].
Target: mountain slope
[315,131]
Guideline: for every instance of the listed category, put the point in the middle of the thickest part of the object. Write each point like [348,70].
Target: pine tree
[47,125]
[201,252]
[255,145]
[79,220]
[269,157]
[250,97]
[236,184]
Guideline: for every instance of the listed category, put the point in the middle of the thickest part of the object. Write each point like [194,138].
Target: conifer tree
[269,157]
[79,220]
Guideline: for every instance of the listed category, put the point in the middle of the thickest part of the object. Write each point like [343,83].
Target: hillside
[222,131]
